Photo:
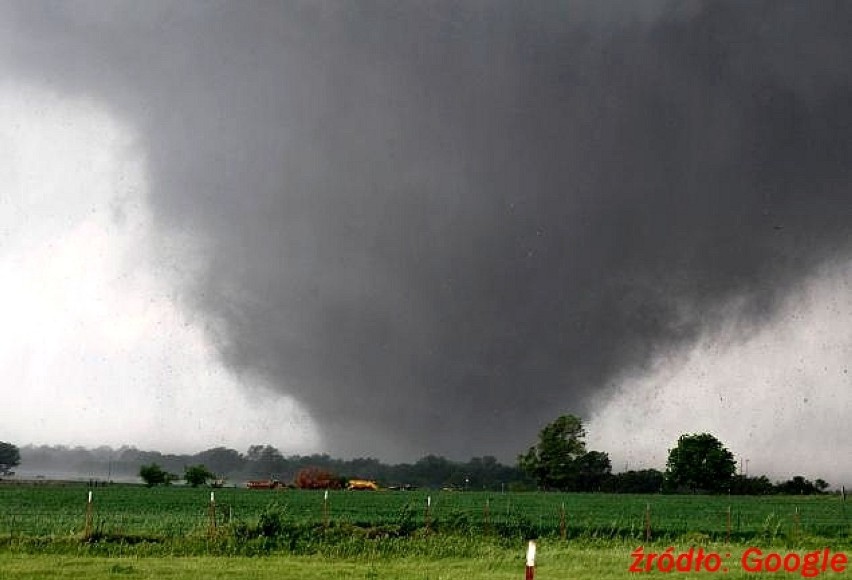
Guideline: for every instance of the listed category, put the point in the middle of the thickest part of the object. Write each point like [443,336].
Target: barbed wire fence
[763,519]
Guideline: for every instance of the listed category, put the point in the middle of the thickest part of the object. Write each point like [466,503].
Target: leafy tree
[798,485]
[744,485]
[265,460]
[552,462]
[593,470]
[153,475]
[365,468]
[641,481]
[435,470]
[10,456]
[196,475]
[222,460]
[700,462]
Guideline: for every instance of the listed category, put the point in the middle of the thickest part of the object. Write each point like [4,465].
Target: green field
[557,560]
[176,512]
[171,532]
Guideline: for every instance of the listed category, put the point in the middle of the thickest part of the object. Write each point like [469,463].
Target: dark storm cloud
[439,225]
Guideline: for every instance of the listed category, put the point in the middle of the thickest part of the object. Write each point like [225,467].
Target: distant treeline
[267,462]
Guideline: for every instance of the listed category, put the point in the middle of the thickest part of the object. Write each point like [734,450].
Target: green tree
[593,470]
[744,485]
[196,475]
[642,481]
[700,462]
[552,462]
[265,460]
[798,485]
[153,475]
[821,485]
[10,456]
[433,470]
[222,460]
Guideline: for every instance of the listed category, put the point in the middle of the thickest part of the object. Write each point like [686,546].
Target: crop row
[33,511]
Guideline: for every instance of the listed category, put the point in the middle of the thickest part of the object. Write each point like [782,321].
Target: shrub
[196,475]
[153,475]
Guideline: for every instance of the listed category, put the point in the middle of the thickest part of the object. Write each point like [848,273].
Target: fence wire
[180,513]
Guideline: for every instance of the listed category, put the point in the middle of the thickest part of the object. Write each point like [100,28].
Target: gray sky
[397,229]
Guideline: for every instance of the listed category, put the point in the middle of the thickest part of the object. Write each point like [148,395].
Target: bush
[10,456]
[196,475]
[155,475]
[271,521]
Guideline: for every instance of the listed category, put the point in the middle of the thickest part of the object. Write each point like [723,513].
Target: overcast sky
[392,229]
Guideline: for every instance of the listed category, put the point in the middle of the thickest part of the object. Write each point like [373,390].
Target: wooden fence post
[486,516]
[728,526]
[325,510]
[648,522]
[211,513]
[796,524]
[87,532]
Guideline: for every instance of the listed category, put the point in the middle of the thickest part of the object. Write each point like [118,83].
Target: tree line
[698,463]
[559,461]
[268,462]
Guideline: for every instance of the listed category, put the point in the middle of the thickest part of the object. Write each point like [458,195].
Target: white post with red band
[530,572]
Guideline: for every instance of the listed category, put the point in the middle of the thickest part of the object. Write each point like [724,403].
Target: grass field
[562,561]
[174,512]
[136,532]
[603,563]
